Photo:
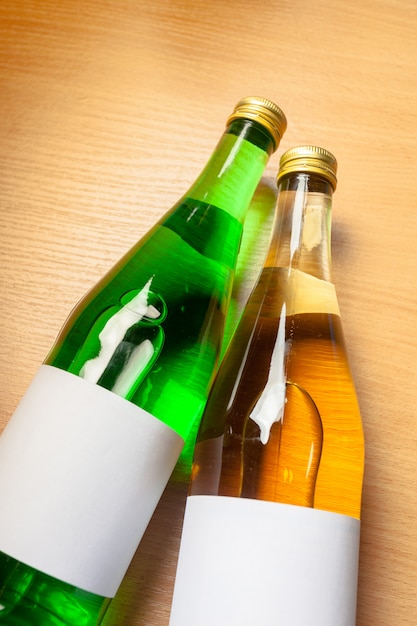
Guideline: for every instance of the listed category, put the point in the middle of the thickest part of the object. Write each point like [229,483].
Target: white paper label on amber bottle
[247,562]
[81,472]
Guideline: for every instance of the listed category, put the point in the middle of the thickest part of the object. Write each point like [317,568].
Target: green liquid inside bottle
[31,598]
[151,331]
[183,330]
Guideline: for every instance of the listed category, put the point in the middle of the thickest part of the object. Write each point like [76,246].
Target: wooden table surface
[108,111]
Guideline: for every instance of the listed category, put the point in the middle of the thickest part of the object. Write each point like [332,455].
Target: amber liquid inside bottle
[282,422]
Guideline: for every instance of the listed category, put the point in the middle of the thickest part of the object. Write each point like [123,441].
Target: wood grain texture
[108,111]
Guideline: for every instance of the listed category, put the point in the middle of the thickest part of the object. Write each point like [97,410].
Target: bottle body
[270,453]
[278,463]
[104,421]
[129,335]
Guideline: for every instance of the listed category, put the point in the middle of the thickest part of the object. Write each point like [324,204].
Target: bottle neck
[301,233]
[234,170]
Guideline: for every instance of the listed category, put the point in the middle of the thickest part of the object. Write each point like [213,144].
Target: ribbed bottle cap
[264,112]
[309,159]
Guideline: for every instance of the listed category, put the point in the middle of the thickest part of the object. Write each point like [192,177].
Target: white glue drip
[270,405]
[114,331]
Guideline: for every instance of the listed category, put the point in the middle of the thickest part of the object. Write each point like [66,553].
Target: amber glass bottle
[274,505]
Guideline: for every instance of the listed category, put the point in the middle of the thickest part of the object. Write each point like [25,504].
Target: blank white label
[247,562]
[81,472]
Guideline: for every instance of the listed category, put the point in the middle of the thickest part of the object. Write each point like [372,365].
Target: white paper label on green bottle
[81,472]
[247,562]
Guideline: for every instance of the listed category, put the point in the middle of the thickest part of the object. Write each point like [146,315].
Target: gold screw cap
[264,112]
[309,159]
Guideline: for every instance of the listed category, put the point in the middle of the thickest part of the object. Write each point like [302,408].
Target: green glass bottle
[91,446]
